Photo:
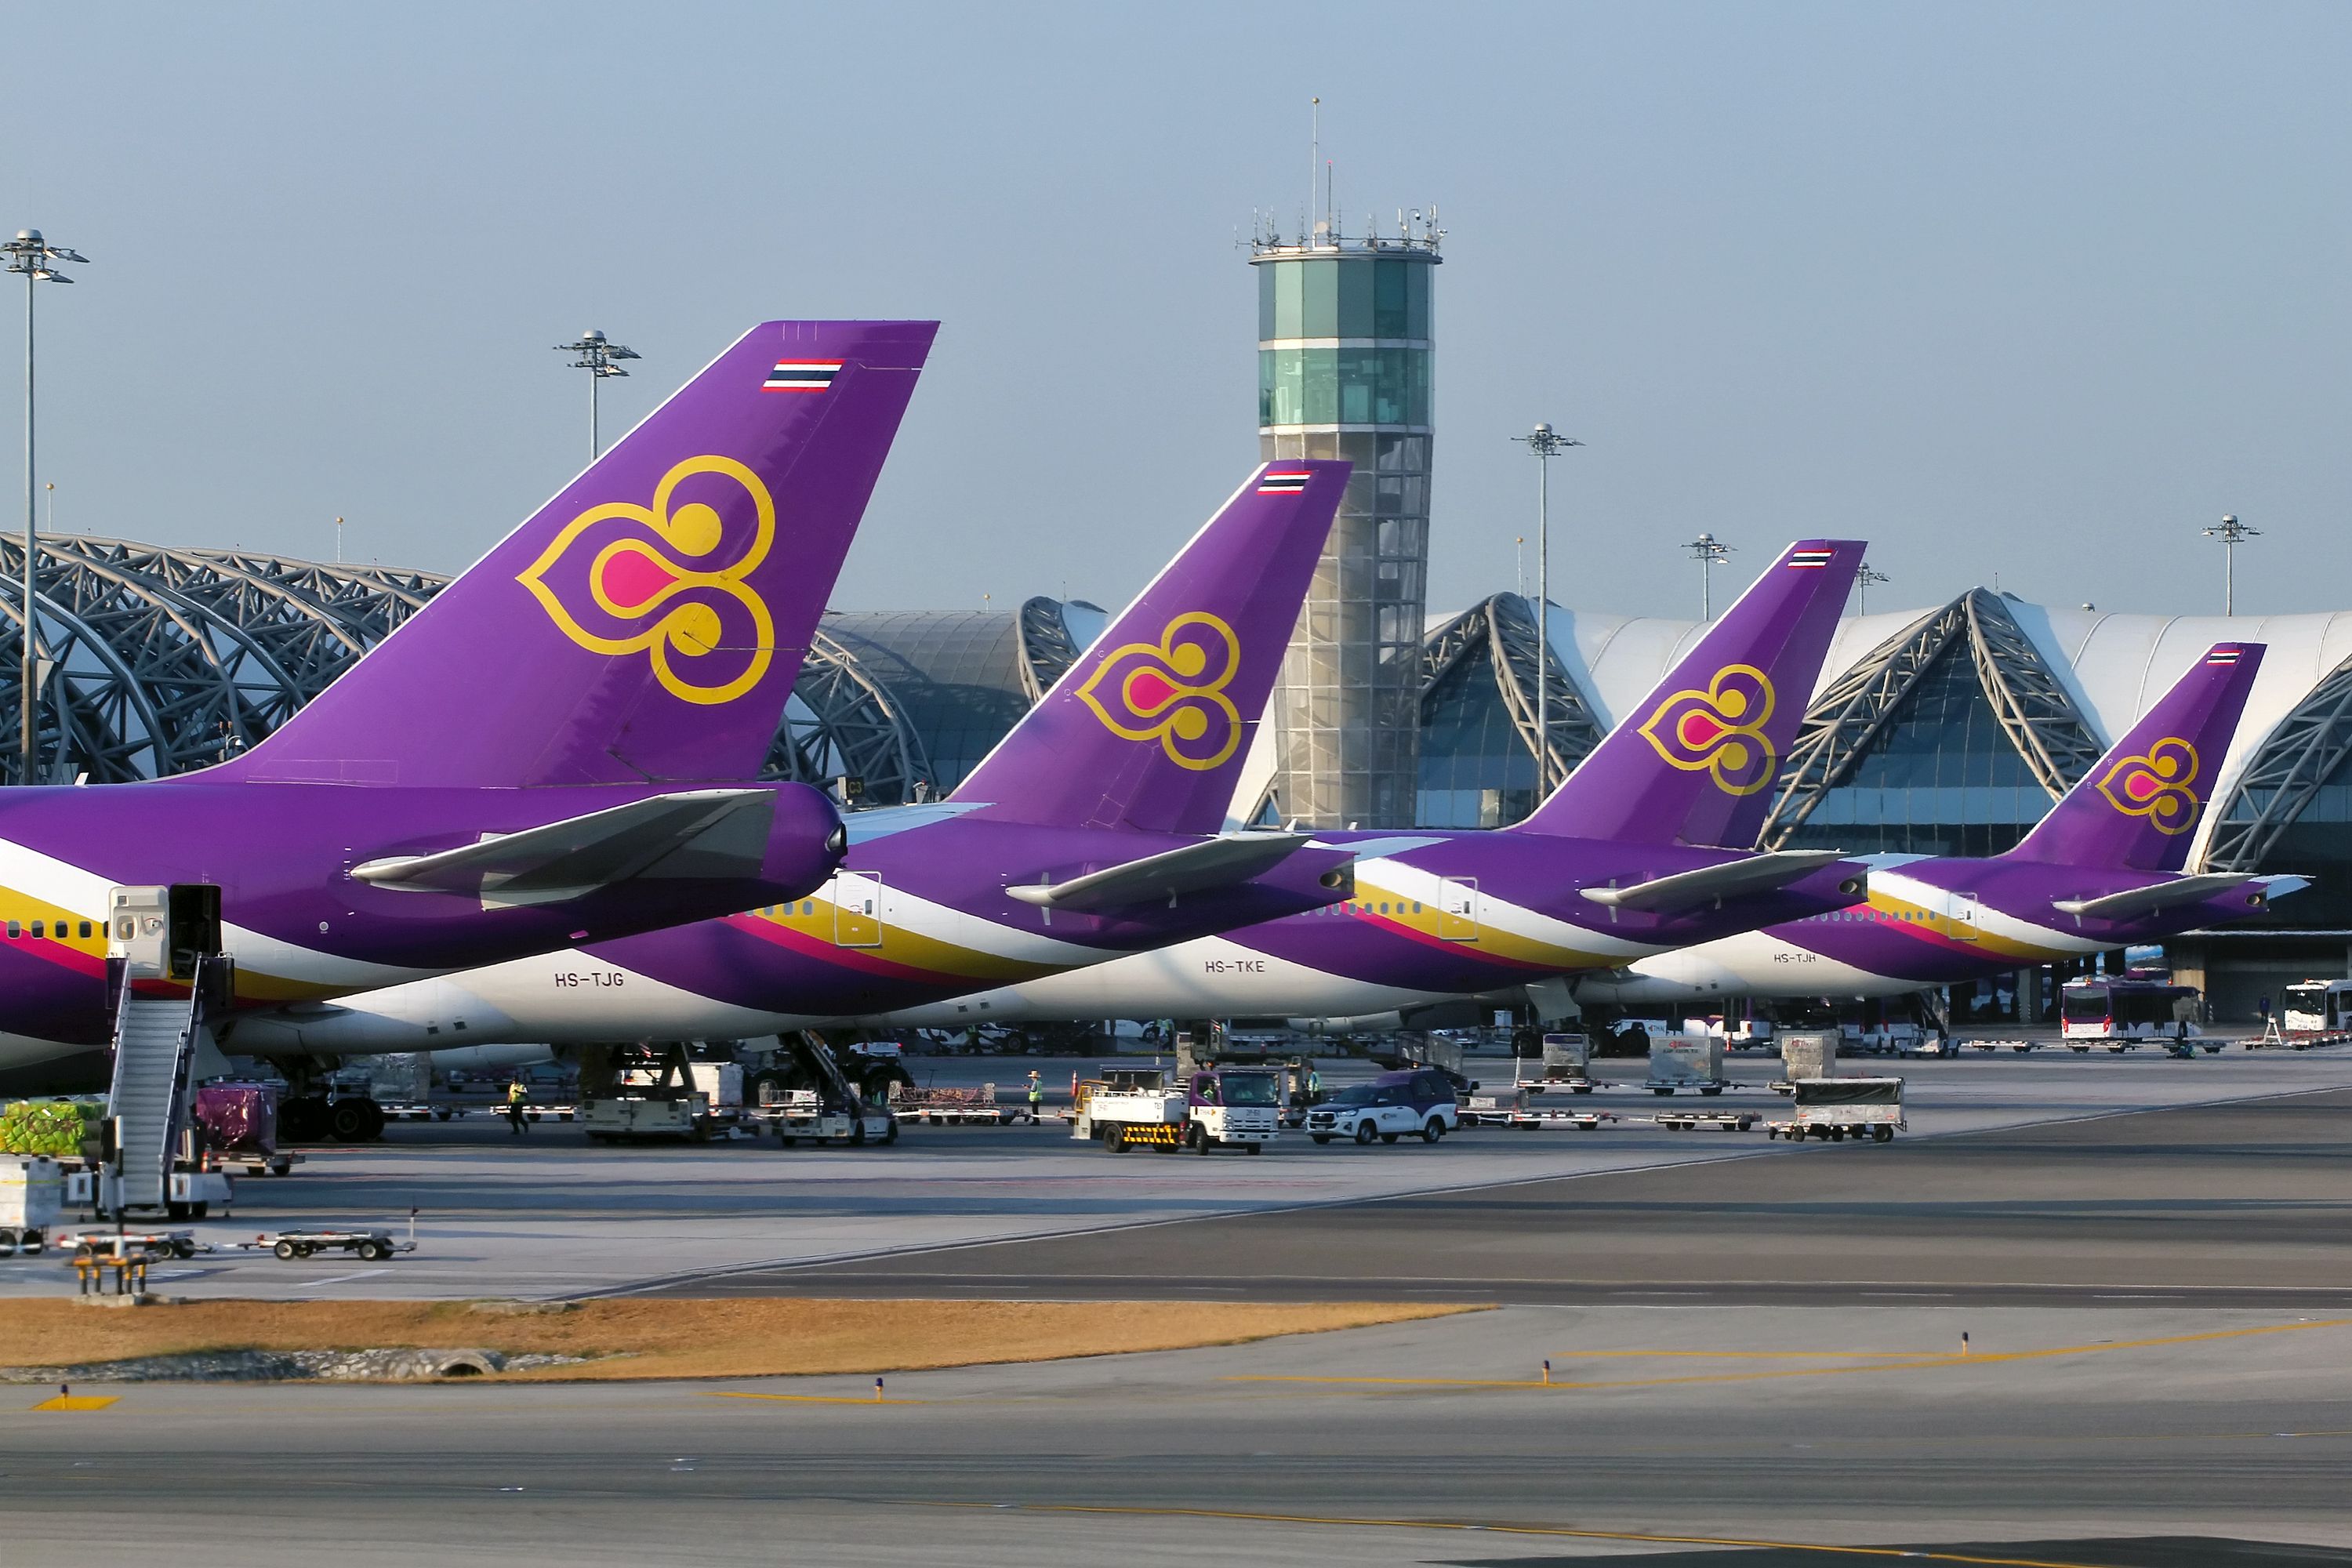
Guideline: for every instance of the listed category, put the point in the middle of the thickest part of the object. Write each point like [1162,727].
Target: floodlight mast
[596,353]
[2232,534]
[1545,444]
[1863,580]
[1708,552]
[37,259]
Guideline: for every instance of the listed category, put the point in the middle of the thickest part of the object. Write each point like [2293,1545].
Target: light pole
[2232,534]
[1547,444]
[1709,551]
[1863,580]
[596,356]
[36,259]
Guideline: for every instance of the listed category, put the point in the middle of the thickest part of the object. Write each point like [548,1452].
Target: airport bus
[2317,1007]
[2121,1013]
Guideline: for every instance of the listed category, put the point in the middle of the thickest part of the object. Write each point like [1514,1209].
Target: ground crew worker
[515,1097]
[1037,1096]
[1314,1085]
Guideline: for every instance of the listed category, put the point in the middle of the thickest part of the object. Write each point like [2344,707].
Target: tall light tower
[1863,580]
[1545,444]
[1709,552]
[596,356]
[2232,534]
[37,259]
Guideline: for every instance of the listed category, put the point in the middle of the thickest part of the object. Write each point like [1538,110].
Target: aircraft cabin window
[15,930]
[85,928]
[38,928]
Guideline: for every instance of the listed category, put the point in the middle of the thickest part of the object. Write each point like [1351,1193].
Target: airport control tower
[1343,371]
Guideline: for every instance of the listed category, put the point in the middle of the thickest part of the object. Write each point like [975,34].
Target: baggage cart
[1686,1061]
[1838,1109]
[32,1198]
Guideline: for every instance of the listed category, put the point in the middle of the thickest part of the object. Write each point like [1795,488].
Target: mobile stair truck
[1841,1108]
[1215,1108]
[167,979]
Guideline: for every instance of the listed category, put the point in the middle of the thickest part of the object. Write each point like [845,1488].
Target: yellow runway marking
[1980,1358]
[809,1398]
[1555,1531]
[77,1402]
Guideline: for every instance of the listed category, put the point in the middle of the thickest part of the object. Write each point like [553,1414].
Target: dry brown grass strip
[760,1337]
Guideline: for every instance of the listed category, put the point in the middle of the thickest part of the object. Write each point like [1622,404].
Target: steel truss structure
[2032,705]
[157,660]
[1503,629]
[2283,774]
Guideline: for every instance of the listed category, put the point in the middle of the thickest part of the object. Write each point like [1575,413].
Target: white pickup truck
[1419,1102]
[1219,1108]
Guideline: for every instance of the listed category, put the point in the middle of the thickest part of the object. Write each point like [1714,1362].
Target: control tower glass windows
[1352,297]
[1343,386]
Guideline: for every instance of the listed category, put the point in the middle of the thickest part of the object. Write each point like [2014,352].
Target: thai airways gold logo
[1719,730]
[1174,691]
[2155,784]
[668,580]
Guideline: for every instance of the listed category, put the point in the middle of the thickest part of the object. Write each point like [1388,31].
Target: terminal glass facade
[1477,769]
[1942,778]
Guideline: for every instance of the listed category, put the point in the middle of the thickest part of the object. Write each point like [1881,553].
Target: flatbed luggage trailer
[1699,1121]
[1837,1108]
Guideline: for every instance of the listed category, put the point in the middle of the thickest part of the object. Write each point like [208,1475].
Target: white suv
[1419,1100]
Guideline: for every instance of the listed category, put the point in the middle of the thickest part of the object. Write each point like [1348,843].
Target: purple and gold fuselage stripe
[897,951]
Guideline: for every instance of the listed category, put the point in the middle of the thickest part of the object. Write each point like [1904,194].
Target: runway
[2245,1205]
[1745,1437]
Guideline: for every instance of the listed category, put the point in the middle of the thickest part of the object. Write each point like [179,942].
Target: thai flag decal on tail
[2222,656]
[1283,481]
[1811,560]
[801,375]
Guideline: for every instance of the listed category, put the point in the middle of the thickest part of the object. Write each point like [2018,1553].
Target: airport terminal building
[1940,730]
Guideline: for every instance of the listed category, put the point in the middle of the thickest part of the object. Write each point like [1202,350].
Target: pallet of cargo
[955,1107]
[1698,1120]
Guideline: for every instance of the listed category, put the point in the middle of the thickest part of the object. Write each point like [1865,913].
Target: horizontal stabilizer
[694,834]
[2133,903]
[1711,884]
[1196,867]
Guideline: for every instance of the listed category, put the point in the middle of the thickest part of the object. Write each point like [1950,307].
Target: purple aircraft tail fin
[2138,807]
[1695,761]
[1150,727]
[648,621]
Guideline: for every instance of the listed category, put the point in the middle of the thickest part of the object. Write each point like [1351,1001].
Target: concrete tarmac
[551,1214]
[2240,1205]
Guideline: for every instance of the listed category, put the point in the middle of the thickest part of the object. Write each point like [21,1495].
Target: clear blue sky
[2034,289]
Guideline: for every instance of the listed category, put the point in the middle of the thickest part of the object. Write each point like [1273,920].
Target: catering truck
[1215,1108]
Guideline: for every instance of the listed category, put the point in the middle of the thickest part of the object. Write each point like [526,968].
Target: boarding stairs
[157,1036]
